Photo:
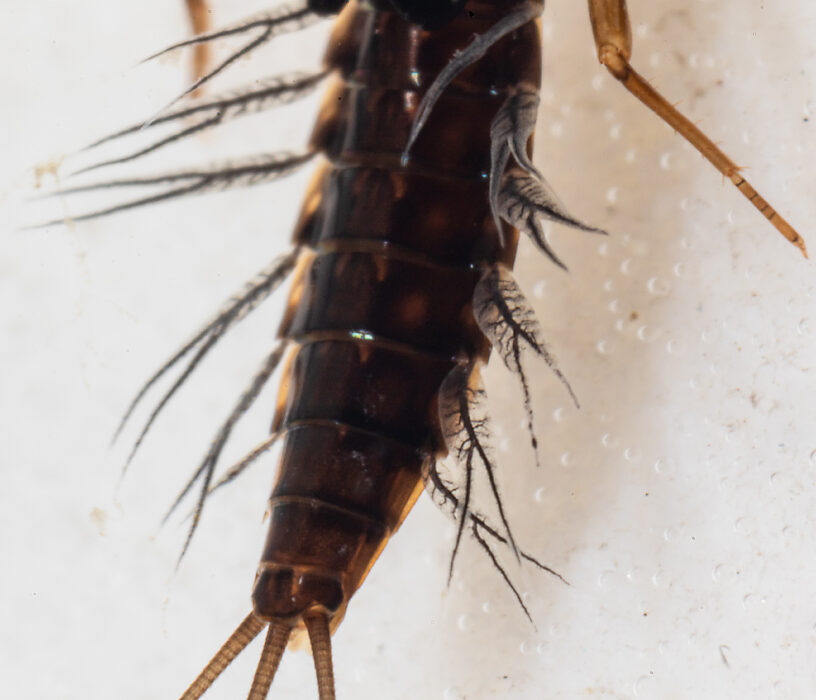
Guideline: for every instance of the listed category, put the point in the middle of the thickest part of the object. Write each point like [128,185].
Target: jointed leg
[200,19]
[613,39]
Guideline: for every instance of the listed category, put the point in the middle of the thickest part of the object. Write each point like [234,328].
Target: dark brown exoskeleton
[402,263]
[402,286]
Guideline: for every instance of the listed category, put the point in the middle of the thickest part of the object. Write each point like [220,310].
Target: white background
[678,501]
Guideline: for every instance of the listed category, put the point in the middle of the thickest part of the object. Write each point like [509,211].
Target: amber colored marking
[613,39]
[199,14]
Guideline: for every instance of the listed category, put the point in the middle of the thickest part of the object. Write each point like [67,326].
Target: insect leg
[199,14]
[613,39]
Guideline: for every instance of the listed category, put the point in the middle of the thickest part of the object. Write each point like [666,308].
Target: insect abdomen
[382,306]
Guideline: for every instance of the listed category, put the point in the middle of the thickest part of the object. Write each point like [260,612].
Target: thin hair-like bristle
[274,646]
[233,472]
[207,467]
[464,517]
[247,631]
[265,283]
[212,111]
[436,485]
[486,547]
[238,468]
[467,432]
[281,20]
[317,624]
[243,172]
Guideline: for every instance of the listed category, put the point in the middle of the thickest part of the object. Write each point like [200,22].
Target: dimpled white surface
[678,501]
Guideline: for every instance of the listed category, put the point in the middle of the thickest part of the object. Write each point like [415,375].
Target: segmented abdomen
[381,309]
